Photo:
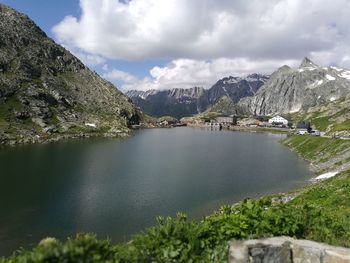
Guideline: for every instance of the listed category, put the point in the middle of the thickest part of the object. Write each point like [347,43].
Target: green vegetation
[321,123]
[344,126]
[330,117]
[316,149]
[6,109]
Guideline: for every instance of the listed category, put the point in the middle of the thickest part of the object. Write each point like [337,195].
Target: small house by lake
[225,120]
[278,120]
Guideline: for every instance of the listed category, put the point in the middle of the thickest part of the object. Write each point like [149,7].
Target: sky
[164,44]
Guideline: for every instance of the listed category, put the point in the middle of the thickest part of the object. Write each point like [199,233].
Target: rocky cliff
[187,102]
[46,92]
[291,90]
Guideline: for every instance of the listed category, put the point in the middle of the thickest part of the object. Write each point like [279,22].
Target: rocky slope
[46,92]
[332,117]
[186,102]
[224,106]
[290,90]
[175,102]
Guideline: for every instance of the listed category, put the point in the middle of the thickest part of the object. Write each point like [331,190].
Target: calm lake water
[117,187]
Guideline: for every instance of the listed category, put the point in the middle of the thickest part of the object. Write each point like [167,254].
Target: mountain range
[46,92]
[291,90]
[186,102]
[285,91]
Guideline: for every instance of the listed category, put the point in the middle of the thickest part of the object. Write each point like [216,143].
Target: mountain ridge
[47,93]
[185,102]
[291,90]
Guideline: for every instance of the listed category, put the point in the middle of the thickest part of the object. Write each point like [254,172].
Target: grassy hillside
[319,212]
[325,154]
[223,106]
[332,117]
[46,93]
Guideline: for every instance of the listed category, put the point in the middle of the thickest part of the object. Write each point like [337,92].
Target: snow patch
[315,84]
[295,109]
[345,75]
[232,80]
[332,99]
[306,68]
[324,176]
[337,69]
[329,77]
[93,125]
[226,92]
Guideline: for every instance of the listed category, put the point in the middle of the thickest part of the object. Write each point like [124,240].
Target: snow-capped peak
[307,64]
[141,94]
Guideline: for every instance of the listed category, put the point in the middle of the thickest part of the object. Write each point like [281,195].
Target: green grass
[325,117]
[7,108]
[316,149]
[344,126]
[321,123]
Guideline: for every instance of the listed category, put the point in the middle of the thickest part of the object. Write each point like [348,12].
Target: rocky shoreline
[11,141]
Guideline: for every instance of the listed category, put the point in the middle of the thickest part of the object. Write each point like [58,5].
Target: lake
[116,187]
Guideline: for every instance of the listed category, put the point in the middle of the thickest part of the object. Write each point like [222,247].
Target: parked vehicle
[315,133]
[302,132]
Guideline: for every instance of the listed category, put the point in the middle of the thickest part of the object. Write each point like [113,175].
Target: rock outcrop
[290,90]
[46,92]
[286,250]
[187,102]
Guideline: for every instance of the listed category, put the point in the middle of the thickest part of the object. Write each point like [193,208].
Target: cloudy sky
[161,44]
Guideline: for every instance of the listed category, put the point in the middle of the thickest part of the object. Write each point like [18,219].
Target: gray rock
[39,122]
[186,102]
[286,250]
[290,90]
[22,115]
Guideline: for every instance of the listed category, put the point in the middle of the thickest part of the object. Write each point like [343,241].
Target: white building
[224,119]
[278,120]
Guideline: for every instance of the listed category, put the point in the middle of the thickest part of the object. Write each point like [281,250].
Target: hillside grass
[330,117]
[321,123]
[319,212]
[316,149]
[344,126]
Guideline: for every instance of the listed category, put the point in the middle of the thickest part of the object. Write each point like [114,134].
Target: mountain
[187,102]
[175,102]
[223,106]
[332,117]
[291,90]
[46,92]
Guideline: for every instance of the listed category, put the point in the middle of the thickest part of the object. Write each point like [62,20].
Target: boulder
[286,249]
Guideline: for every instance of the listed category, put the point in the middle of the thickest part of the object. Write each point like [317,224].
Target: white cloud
[206,39]
[90,60]
[120,76]
[207,29]
[187,73]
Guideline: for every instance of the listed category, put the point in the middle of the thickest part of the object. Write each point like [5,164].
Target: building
[225,120]
[278,120]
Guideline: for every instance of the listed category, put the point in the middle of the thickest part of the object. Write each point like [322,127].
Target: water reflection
[118,187]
